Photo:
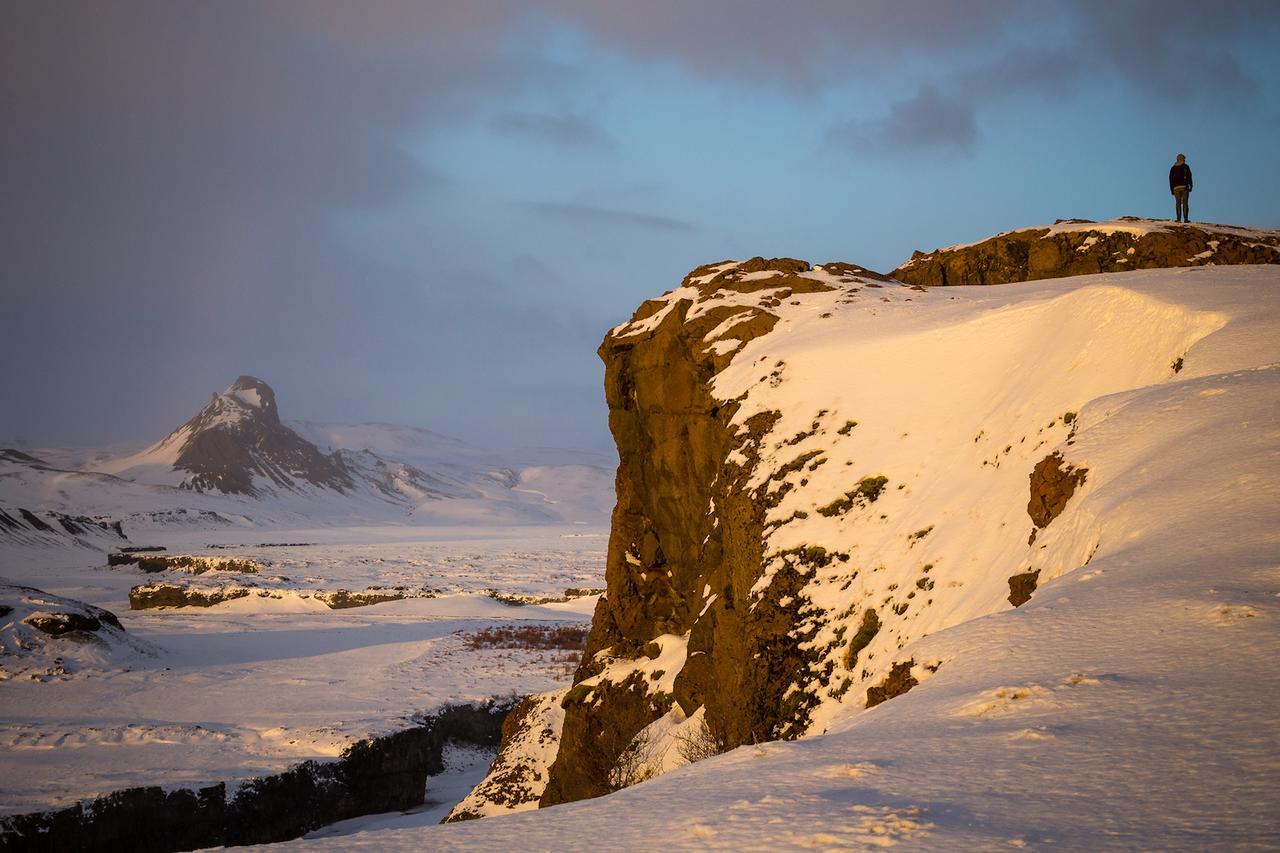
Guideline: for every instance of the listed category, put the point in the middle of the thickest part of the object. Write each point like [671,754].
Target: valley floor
[252,686]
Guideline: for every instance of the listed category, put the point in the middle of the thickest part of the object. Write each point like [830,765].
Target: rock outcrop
[149,596]
[820,466]
[46,637]
[685,522]
[1081,247]
[1053,482]
[518,777]
[189,563]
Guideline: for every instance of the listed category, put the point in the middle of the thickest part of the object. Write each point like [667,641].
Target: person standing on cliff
[1180,186]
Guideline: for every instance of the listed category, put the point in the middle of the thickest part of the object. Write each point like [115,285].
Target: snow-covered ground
[1132,703]
[255,685]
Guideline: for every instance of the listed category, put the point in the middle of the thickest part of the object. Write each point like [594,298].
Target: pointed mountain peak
[237,444]
[253,392]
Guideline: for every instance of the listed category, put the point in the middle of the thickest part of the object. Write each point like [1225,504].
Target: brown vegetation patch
[542,637]
[866,633]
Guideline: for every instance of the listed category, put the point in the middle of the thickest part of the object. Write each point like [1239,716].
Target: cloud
[587,214]
[1179,50]
[166,167]
[1159,47]
[569,131]
[802,45]
[176,176]
[926,122]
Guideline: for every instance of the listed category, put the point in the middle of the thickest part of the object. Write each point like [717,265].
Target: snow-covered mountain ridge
[1046,513]
[236,463]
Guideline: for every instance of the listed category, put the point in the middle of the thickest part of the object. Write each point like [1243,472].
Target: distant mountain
[237,463]
[235,445]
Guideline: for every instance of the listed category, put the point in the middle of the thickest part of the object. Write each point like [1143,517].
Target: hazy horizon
[430,214]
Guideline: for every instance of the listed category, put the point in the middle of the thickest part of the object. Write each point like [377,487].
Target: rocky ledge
[148,596]
[1082,247]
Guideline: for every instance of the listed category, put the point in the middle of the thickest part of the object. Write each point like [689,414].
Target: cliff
[822,468]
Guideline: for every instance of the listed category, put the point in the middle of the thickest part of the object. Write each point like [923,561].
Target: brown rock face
[684,522]
[1038,253]
[1021,586]
[1052,485]
[147,596]
[899,681]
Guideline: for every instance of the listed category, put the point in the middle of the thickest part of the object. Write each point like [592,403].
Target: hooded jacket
[1180,176]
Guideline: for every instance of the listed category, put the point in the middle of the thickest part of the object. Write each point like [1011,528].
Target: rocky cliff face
[1081,247]
[684,522]
[820,466]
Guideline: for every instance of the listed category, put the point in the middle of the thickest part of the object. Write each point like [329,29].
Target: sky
[430,213]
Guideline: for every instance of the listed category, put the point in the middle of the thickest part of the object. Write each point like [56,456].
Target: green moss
[920,534]
[866,633]
[811,555]
[866,492]
[871,487]
[662,702]
[796,464]
[578,694]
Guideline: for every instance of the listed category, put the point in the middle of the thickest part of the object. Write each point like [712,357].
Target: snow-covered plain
[289,671]
[255,685]
[1132,703]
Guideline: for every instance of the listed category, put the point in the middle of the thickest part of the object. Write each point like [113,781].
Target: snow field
[253,686]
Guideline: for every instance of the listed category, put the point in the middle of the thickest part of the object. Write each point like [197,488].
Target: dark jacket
[1180,176]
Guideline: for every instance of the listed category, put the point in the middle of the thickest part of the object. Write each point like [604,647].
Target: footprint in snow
[849,771]
[1226,615]
[1007,700]
[1034,734]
